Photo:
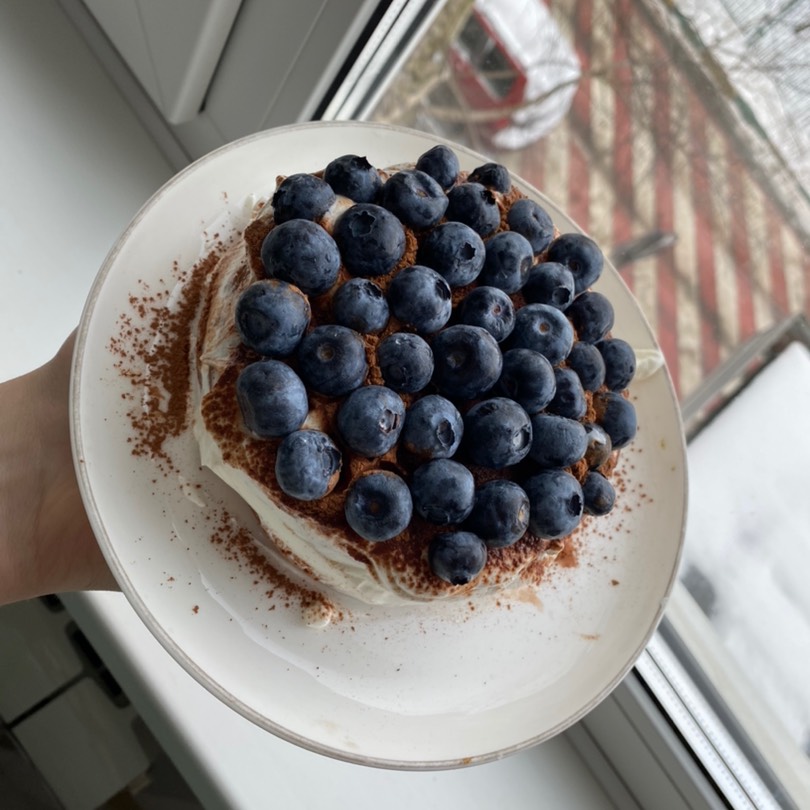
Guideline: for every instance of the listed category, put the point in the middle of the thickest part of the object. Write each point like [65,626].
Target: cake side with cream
[414,387]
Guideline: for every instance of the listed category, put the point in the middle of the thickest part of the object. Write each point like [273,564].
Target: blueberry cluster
[499,372]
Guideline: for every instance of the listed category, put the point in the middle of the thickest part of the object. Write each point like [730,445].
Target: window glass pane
[482,63]
[747,554]
[676,134]
[474,40]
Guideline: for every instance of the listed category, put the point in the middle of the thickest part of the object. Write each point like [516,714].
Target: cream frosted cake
[407,376]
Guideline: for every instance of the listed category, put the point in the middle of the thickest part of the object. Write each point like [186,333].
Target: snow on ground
[748,533]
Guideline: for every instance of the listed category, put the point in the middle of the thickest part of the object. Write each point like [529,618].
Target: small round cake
[407,375]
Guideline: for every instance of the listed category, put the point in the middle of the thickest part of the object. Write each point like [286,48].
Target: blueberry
[371,240]
[378,506]
[307,465]
[474,205]
[443,491]
[441,164]
[415,198]
[271,317]
[549,283]
[528,378]
[301,196]
[507,262]
[420,298]
[569,398]
[557,441]
[467,361]
[581,255]
[457,557]
[555,503]
[491,309]
[433,428]
[543,329]
[598,494]
[303,253]
[492,175]
[455,251]
[599,445]
[272,398]
[499,433]
[360,304]
[332,360]
[617,416]
[500,514]
[586,360]
[620,362]
[406,362]
[371,419]
[591,314]
[531,220]
[354,177]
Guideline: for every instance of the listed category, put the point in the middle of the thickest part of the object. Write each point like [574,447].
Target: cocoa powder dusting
[153,352]
[405,556]
[240,547]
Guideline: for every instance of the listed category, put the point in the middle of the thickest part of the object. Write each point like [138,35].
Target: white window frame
[657,741]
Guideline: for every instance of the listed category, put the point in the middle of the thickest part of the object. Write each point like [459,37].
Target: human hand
[46,543]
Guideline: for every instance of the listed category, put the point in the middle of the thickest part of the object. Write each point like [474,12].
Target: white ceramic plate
[426,687]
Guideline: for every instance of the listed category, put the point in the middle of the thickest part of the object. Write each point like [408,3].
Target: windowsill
[232,763]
